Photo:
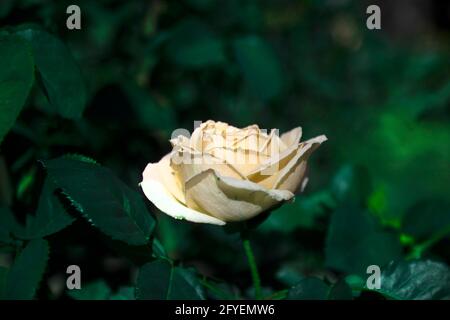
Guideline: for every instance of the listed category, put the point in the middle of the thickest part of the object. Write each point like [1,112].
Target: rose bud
[225,174]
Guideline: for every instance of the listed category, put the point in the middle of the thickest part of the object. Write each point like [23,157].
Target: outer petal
[273,173]
[266,173]
[291,176]
[163,172]
[156,190]
[230,199]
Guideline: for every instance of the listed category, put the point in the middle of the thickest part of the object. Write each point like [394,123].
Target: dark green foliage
[60,74]
[22,281]
[309,289]
[97,290]
[163,281]
[355,241]
[259,66]
[50,216]
[340,291]
[16,78]
[102,199]
[427,219]
[115,91]
[8,225]
[193,45]
[124,293]
[3,277]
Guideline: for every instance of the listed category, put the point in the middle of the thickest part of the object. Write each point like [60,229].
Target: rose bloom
[224,174]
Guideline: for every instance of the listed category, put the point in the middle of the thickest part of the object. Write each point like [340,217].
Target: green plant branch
[253,268]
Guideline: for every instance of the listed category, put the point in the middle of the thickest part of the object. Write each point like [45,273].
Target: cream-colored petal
[291,176]
[181,142]
[161,188]
[189,164]
[196,141]
[230,199]
[163,172]
[266,174]
[292,137]
[273,145]
[248,140]
[273,171]
[164,201]
[245,161]
[292,180]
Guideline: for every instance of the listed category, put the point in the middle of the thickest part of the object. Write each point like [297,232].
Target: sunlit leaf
[416,280]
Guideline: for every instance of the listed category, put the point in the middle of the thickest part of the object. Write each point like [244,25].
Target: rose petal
[245,161]
[248,140]
[266,173]
[273,145]
[230,199]
[273,171]
[188,164]
[163,172]
[156,190]
[291,176]
[292,137]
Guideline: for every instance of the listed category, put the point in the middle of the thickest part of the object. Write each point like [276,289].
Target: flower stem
[253,269]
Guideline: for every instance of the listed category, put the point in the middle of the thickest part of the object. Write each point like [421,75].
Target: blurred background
[378,189]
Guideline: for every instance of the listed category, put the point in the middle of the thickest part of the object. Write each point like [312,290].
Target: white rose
[223,174]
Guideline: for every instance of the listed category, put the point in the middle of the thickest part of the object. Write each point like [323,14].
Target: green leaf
[340,291]
[59,72]
[416,280]
[149,113]
[8,225]
[352,182]
[97,290]
[309,289]
[5,227]
[27,270]
[304,212]
[427,219]
[160,280]
[6,7]
[193,45]
[50,216]
[259,65]
[3,277]
[218,290]
[102,199]
[355,240]
[124,293]
[16,79]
